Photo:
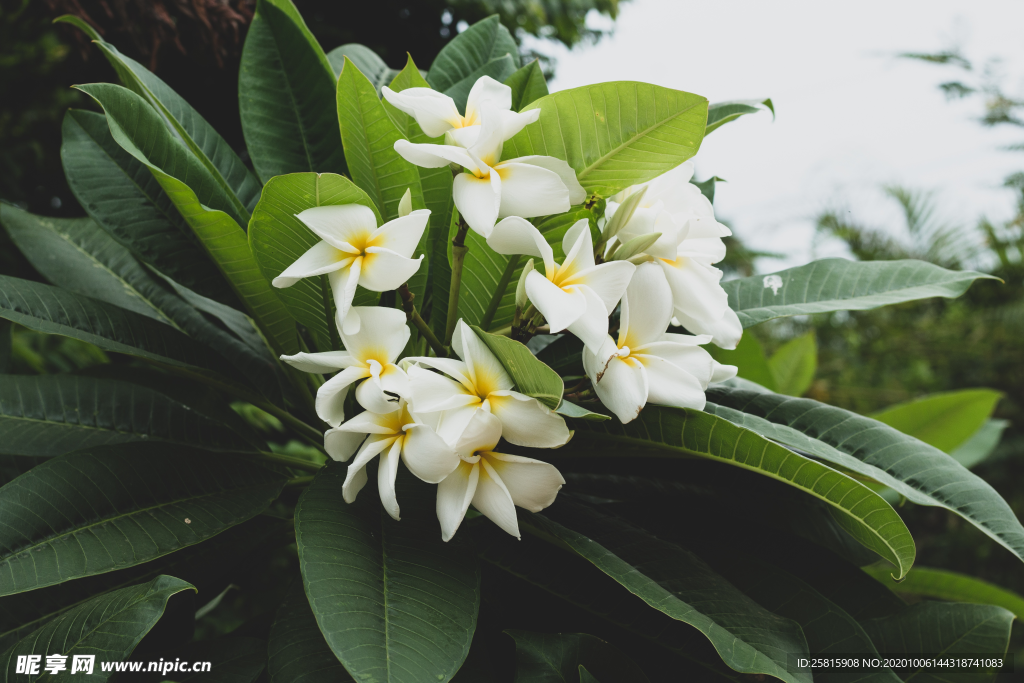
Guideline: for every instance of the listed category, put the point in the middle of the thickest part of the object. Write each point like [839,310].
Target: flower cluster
[446,415]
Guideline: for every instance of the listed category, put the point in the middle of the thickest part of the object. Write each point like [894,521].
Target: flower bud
[521,287]
[405,206]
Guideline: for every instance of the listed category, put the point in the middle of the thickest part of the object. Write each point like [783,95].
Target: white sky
[851,116]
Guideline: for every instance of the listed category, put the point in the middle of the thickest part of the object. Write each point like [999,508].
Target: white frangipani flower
[478,382]
[646,364]
[354,251]
[690,242]
[369,354]
[577,295]
[491,189]
[395,436]
[493,482]
[437,114]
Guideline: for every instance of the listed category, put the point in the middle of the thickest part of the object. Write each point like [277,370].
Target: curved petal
[435,112]
[340,225]
[515,235]
[430,392]
[453,422]
[482,434]
[427,455]
[454,495]
[526,422]
[494,501]
[372,423]
[330,397]
[463,137]
[477,201]
[433,156]
[485,370]
[607,280]
[402,234]
[320,259]
[706,249]
[706,227]
[532,484]
[595,362]
[343,286]
[322,362]
[340,445]
[355,480]
[696,291]
[384,270]
[382,334]
[488,90]
[670,385]
[622,387]
[576,250]
[486,150]
[725,332]
[450,366]
[693,359]
[577,195]
[351,324]
[646,307]
[513,122]
[722,373]
[530,191]
[561,308]
[592,326]
[387,472]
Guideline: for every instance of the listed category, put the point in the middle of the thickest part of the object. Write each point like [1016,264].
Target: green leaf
[107,627]
[277,238]
[232,659]
[564,354]
[297,651]
[749,358]
[922,473]
[574,411]
[394,602]
[366,60]
[202,141]
[836,284]
[50,415]
[673,432]
[499,69]
[369,137]
[484,41]
[120,194]
[674,581]
[794,364]
[635,246]
[202,203]
[614,134]
[951,586]
[981,444]
[530,375]
[944,420]
[707,187]
[528,84]
[95,511]
[5,344]
[286,96]
[76,255]
[209,566]
[721,113]
[559,657]
[586,676]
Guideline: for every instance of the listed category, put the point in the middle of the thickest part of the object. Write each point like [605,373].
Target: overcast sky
[851,116]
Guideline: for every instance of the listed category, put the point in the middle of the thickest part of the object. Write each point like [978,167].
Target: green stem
[313,436]
[413,316]
[300,481]
[499,293]
[287,460]
[332,327]
[459,250]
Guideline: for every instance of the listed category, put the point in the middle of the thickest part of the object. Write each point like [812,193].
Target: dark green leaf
[614,134]
[527,85]
[286,96]
[394,602]
[576,412]
[564,355]
[297,651]
[484,41]
[530,375]
[95,511]
[673,432]
[559,657]
[943,420]
[951,586]
[232,659]
[836,284]
[721,113]
[120,194]
[925,475]
[793,365]
[707,187]
[366,60]
[107,627]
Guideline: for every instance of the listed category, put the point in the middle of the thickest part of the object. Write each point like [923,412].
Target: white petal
[330,397]
[482,434]
[485,370]
[427,455]
[340,445]
[430,392]
[670,385]
[577,195]
[351,324]
[452,423]
[486,150]
[343,286]
[372,423]
[493,500]
[646,307]
[488,90]
[725,332]
[515,235]
[384,270]
[402,234]
[513,122]
[530,191]
[320,363]
[387,472]
[433,156]
[341,225]
[707,249]
[696,291]
[607,280]
[527,422]
[706,227]
[595,362]
[356,478]
[454,495]
[722,373]
[622,387]
[693,359]
[561,308]
[435,112]
[574,248]
[320,259]
[532,484]
[371,395]
[382,334]
[592,326]
[477,201]
[449,366]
